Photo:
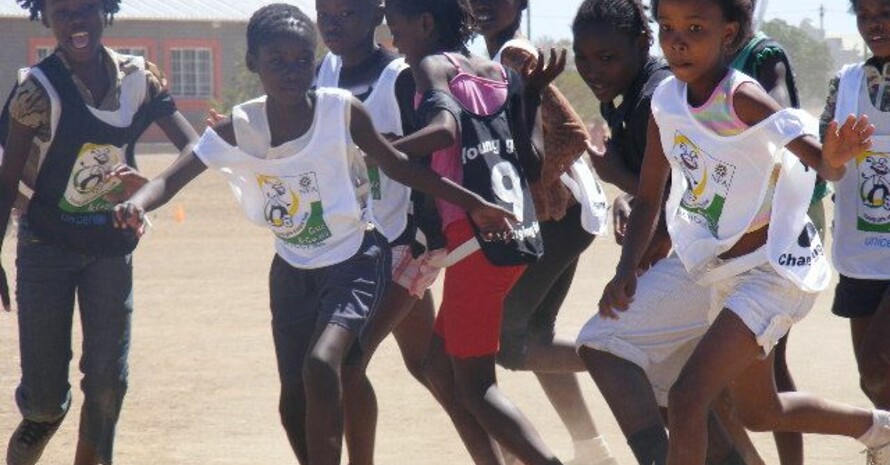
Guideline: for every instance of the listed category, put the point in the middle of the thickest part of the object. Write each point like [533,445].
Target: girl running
[385,85]
[572,208]
[768,63]
[476,118]
[862,206]
[643,350]
[721,137]
[287,156]
[71,121]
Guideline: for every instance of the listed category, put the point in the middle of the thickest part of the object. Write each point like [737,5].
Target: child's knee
[686,398]
[760,420]
[873,374]
[321,373]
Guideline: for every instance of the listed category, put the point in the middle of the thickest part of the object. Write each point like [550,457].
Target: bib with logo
[308,197]
[861,236]
[389,200]
[71,206]
[492,169]
[720,182]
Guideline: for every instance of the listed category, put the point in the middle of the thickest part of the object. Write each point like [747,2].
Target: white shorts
[766,302]
[668,316]
[415,274]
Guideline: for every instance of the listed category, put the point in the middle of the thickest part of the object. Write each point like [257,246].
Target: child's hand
[542,75]
[214,118]
[844,143]
[495,223]
[130,179]
[4,290]
[128,215]
[620,215]
[618,294]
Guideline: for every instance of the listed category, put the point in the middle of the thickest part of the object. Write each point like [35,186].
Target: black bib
[69,207]
[492,168]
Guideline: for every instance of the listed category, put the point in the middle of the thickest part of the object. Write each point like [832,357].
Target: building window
[191,72]
[43,52]
[135,51]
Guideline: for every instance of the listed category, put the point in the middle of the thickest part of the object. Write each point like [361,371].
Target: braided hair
[454,20]
[627,16]
[36,7]
[276,19]
[734,11]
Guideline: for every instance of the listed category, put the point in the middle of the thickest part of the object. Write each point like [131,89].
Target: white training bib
[308,197]
[389,200]
[719,184]
[861,227]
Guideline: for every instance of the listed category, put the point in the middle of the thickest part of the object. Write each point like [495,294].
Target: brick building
[199,44]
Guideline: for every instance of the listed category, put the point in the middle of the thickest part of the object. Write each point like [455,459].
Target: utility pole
[528,21]
[822,19]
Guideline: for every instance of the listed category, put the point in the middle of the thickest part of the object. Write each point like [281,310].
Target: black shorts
[858,298]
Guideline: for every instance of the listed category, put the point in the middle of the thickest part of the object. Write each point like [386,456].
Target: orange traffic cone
[179,214]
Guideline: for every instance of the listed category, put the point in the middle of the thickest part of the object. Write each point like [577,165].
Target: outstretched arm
[842,142]
[161,189]
[488,217]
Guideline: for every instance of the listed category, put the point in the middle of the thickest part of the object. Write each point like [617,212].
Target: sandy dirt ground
[203,384]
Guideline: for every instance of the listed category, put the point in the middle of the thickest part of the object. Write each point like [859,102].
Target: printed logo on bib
[874,192]
[293,209]
[708,181]
[374,179]
[88,186]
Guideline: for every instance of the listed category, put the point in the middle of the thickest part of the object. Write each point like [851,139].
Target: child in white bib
[286,156]
[861,227]
[762,281]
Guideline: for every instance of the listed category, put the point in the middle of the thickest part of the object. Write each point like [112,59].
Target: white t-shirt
[310,198]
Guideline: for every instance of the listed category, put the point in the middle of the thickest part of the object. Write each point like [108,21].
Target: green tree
[811,59]
[570,82]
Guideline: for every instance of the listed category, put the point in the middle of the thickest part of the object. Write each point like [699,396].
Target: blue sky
[552,17]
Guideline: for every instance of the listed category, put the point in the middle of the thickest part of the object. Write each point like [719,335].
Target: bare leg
[324,409]
[438,370]
[360,401]
[413,335]
[478,392]
[728,353]
[85,454]
[870,343]
[789,445]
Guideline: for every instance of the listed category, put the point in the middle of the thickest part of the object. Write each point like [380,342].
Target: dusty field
[203,385]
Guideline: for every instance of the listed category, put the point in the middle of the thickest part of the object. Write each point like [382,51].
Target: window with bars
[136,51]
[43,52]
[191,72]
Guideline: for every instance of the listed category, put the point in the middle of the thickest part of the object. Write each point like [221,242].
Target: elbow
[446,137]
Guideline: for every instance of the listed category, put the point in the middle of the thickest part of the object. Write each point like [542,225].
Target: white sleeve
[215,152]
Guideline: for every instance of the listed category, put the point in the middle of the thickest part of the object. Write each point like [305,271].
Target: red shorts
[469,319]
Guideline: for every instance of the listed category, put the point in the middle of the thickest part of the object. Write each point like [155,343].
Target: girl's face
[410,34]
[77,26]
[695,38]
[607,59]
[286,67]
[873,20]
[494,17]
[345,24]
